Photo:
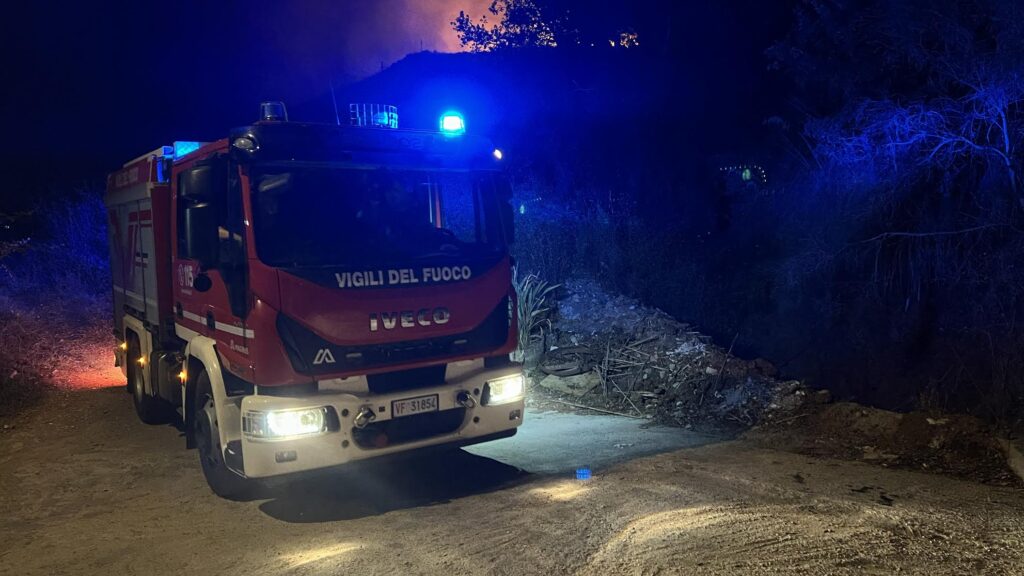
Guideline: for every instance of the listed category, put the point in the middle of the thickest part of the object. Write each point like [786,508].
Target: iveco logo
[409,318]
[323,356]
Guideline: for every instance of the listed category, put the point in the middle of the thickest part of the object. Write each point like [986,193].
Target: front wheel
[221,479]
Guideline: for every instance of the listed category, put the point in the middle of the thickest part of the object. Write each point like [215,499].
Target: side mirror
[503,189]
[201,234]
[508,224]
[199,183]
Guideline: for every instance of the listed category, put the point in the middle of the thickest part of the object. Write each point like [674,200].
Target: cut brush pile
[611,353]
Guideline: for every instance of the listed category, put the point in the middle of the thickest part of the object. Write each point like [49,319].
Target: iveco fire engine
[307,295]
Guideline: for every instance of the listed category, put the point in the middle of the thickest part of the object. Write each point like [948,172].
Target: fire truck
[302,296]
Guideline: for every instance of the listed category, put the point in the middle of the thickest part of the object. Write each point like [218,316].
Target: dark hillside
[689,190]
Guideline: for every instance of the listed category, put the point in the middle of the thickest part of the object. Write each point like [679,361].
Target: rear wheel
[150,410]
[221,479]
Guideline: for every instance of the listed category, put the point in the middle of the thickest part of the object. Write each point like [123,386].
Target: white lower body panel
[348,443]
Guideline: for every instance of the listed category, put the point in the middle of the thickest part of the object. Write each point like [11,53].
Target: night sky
[87,88]
[93,85]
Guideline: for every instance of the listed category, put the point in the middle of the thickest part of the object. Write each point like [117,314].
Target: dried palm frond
[534,307]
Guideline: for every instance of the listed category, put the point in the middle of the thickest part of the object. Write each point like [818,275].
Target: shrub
[534,308]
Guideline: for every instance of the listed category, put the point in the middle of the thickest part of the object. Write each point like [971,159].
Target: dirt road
[87,489]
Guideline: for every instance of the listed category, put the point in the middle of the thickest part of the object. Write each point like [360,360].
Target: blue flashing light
[583,474]
[161,176]
[498,154]
[453,124]
[182,149]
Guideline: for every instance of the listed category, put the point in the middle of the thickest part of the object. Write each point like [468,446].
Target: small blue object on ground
[583,473]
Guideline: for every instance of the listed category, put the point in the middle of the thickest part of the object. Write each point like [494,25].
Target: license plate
[411,406]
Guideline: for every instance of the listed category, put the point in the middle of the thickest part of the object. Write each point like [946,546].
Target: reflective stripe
[222,326]
[231,329]
[134,295]
[193,317]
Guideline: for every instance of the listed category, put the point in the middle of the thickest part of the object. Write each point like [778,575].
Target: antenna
[334,100]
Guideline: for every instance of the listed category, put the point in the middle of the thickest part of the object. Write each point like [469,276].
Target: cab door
[211,297]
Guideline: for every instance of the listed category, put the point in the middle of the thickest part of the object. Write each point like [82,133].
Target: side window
[210,198]
[210,224]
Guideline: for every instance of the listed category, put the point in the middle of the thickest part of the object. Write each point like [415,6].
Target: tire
[149,409]
[222,480]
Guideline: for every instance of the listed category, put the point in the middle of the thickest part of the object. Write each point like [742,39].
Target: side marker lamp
[504,390]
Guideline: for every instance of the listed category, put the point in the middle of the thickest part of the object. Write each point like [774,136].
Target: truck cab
[315,294]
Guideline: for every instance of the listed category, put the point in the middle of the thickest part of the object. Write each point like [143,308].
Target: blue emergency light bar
[453,124]
[182,149]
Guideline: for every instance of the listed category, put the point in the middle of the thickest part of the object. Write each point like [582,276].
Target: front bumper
[453,423]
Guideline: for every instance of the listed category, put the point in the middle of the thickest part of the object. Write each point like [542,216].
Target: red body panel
[251,348]
[139,214]
[343,316]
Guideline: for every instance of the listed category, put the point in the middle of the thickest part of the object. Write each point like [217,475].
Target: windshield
[318,216]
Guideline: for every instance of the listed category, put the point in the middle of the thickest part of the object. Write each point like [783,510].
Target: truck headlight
[286,424]
[504,390]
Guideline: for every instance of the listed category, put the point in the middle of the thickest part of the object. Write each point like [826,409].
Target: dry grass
[48,347]
[54,303]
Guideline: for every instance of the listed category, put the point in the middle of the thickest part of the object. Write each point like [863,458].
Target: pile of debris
[953,444]
[612,353]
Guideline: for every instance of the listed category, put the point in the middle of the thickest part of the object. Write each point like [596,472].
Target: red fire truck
[306,295]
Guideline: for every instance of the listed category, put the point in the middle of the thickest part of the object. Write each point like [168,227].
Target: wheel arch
[201,355]
[135,330]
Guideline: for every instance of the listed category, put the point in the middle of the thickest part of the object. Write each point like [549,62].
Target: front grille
[389,382]
[303,346]
[408,429]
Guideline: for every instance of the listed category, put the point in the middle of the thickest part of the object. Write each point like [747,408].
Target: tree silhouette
[513,23]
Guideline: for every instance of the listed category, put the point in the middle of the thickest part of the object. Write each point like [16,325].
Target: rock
[577,385]
[873,453]
[1014,451]
[710,371]
[821,397]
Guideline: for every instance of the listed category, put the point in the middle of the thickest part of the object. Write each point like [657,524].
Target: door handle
[210,323]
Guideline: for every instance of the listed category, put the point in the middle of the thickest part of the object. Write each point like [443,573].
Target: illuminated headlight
[504,390]
[282,424]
